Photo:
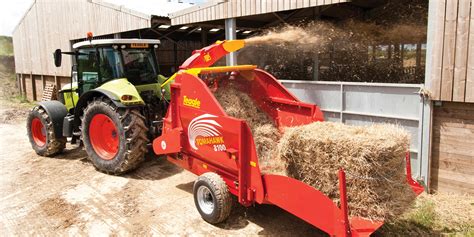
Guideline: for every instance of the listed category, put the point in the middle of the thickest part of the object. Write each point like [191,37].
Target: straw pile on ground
[373,157]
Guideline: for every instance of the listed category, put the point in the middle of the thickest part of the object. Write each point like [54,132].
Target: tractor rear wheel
[115,138]
[41,133]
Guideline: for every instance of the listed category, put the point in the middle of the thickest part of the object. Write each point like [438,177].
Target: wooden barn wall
[51,24]
[215,10]
[452,72]
[452,159]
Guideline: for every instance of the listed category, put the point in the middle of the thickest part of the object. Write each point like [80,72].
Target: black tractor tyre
[130,131]
[41,133]
[212,198]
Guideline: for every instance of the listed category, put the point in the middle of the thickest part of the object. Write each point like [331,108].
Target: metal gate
[366,103]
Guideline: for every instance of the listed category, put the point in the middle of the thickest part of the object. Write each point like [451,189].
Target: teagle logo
[195,103]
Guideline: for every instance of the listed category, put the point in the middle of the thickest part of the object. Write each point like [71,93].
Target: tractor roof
[115,41]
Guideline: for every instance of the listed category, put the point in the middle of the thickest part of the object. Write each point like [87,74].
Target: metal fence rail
[365,103]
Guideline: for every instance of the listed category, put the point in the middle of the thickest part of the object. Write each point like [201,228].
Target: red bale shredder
[199,136]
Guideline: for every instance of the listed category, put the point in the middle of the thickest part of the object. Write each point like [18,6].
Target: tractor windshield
[139,66]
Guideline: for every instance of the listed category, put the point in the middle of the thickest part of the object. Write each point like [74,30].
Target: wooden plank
[263,6]
[320,2]
[234,8]
[253,7]
[299,3]
[455,106]
[464,114]
[451,186]
[213,12]
[274,5]
[281,5]
[437,54]
[454,176]
[469,96]
[462,39]
[453,167]
[447,75]
[258,6]
[225,10]
[451,145]
[286,5]
[293,4]
[455,134]
[452,157]
[239,9]
[453,122]
[439,156]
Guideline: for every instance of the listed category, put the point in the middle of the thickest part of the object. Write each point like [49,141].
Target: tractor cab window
[110,64]
[139,66]
[87,69]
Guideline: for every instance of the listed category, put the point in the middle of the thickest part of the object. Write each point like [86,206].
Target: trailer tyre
[41,133]
[212,198]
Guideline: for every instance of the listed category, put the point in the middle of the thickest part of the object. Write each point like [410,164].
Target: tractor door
[87,70]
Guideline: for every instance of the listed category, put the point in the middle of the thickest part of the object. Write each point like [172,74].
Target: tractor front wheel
[41,133]
[115,138]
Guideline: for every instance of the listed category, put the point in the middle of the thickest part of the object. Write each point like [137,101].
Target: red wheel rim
[38,132]
[104,136]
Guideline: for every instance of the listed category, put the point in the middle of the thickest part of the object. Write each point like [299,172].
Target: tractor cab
[97,62]
[100,61]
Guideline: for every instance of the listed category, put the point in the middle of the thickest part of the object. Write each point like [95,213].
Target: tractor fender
[56,112]
[88,96]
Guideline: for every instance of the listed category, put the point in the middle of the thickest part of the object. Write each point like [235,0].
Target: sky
[11,11]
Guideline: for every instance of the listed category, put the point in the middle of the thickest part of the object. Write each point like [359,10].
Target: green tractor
[113,106]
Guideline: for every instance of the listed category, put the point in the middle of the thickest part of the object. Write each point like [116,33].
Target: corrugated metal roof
[150,7]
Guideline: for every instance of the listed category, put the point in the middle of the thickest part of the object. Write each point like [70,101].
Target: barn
[48,25]
[422,80]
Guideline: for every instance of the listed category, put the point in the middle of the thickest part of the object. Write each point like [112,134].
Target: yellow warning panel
[139,45]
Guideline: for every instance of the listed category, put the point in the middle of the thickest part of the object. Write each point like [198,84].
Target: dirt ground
[65,195]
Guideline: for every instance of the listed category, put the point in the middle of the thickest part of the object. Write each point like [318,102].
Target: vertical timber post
[427,115]
[57,82]
[43,81]
[23,85]
[18,83]
[230,34]
[33,86]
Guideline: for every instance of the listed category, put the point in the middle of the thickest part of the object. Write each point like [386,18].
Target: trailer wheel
[41,133]
[212,198]
[114,138]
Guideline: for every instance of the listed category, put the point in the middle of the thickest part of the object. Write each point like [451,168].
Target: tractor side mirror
[57,57]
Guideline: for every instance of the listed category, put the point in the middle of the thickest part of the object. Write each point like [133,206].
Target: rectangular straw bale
[373,156]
